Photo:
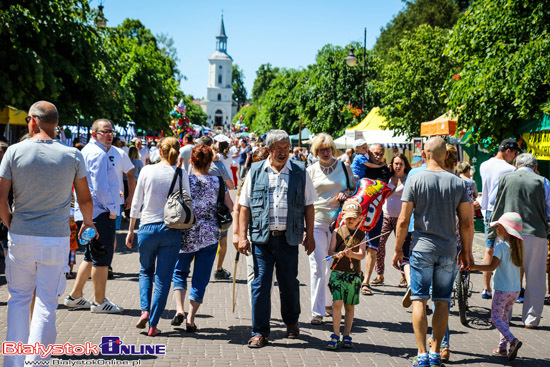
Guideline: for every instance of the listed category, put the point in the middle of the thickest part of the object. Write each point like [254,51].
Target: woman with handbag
[331,179]
[156,242]
[200,242]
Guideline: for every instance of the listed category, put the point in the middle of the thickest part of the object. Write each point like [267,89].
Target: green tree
[265,74]
[331,84]
[49,50]
[146,75]
[237,83]
[412,82]
[502,49]
[437,13]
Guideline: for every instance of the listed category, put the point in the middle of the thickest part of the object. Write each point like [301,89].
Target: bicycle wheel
[461,296]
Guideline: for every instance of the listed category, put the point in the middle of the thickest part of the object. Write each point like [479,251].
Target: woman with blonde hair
[156,242]
[331,179]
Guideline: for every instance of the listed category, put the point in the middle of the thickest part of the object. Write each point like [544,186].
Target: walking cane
[235,277]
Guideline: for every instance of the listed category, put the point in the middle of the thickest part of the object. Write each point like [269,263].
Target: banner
[538,144]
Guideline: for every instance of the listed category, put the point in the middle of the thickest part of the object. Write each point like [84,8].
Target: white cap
[359,143]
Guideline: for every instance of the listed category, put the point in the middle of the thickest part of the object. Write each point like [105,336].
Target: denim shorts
[428,269]
[489,243]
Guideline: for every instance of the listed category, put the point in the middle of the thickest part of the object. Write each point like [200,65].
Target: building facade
[219,104]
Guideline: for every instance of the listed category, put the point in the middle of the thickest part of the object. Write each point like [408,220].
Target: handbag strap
[221,190]
[177,173]
[348,184]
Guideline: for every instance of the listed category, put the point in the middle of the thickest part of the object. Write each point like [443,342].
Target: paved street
[382,330]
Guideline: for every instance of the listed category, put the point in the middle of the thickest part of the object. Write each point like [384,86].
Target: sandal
[71,275]
[346,342]
[379,280]
[500,352]
[191,328]
[328,311]
[402,283]
[334,342]
[257,341]
[178,319]
[365,290]
[316,320]
[513,351]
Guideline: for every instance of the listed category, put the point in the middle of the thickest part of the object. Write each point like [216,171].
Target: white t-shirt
[152,190]
[144,154]
[122,163]
[227,162]
[185,155]
[490,172]
[232,151]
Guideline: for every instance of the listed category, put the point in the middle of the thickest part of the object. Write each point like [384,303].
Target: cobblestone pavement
[382,330]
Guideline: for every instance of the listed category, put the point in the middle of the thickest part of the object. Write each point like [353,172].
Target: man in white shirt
[490,172]
[143,151]
[185,151]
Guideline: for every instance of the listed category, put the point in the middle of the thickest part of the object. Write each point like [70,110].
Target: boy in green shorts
[345,279]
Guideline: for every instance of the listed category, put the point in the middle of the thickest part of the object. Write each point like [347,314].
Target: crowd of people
[285,199]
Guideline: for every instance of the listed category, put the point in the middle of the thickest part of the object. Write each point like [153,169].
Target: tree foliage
[51,50]
[239,91]
[265,74]
[437,13]
[412,85]
[502,48]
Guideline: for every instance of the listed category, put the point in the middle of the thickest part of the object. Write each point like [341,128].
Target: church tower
[219,104]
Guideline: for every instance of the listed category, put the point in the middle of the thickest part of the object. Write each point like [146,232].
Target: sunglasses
[28,118]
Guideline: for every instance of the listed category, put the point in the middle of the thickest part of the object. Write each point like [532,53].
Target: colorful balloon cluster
[240,126]
[180,122]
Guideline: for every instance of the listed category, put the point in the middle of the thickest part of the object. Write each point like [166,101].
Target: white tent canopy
[384,137]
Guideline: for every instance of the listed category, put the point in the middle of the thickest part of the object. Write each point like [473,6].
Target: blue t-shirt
[506,275]
[242,155]
[358,165]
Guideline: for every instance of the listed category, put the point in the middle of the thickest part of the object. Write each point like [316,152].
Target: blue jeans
[160,243]
[376,231]
[489,243]
[279,254]
[430,270]
[204,259]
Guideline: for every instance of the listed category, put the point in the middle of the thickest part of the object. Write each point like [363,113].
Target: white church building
[219,104]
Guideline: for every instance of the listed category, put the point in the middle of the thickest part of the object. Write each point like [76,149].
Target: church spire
[221,43]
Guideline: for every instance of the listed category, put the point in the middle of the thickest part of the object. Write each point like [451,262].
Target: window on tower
[219,97]
[219,79]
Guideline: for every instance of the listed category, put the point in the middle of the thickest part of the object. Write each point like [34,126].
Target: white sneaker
[79,302]
[106,307]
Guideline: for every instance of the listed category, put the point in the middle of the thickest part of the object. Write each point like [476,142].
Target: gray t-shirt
[216,169]
[42,174]
[436,196]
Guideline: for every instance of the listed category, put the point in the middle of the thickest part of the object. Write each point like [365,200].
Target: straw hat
[512,223]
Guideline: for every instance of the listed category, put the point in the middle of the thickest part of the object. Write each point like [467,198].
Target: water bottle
[87,235]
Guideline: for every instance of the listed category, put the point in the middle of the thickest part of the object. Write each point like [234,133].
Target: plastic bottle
[87,235]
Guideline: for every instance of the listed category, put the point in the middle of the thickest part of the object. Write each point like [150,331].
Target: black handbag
[223,214]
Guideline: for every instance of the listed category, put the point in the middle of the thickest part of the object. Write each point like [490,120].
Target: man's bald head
[45,112]
[436,149]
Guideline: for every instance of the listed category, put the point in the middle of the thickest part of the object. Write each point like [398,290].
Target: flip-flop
[402,283]
[365,290]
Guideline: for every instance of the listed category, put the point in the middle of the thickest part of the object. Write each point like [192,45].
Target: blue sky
[284,33]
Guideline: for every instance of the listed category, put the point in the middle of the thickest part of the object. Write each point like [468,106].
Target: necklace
[327,170]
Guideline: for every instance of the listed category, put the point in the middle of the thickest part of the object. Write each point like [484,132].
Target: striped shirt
[278,188]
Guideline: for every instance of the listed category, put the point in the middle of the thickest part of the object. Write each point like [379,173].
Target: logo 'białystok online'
[110,346]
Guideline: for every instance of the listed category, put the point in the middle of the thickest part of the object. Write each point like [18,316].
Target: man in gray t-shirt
[437,197]
[42,173]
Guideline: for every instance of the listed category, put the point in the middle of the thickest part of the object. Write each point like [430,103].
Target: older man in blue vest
[277,212]
[528,194]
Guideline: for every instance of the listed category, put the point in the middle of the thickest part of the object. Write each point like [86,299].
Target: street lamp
[100,21]
[351,60]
